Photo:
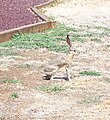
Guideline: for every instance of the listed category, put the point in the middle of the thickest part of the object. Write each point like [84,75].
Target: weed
[14,95]
[90,73]
[51,88]
[13,81]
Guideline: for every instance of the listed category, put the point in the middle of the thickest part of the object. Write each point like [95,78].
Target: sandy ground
[84,97]
[77,12]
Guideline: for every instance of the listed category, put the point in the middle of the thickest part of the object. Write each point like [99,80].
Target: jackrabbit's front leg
[67,74]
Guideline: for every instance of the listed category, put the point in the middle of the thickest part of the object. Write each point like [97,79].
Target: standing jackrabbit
[62,61]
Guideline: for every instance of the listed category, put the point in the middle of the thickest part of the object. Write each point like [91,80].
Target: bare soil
[84,97]
[80,12]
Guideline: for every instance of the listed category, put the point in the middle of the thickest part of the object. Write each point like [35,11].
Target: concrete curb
[45,4]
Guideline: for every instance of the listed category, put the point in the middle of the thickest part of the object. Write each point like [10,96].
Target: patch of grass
[7,52]
[52,38]
[23,66]
[14,95]
[12,81]
[96,40]
[52,18]
[90,100]
[1,62]
[108,46]
[102,28]
[51,88]
[90,73]
[99,32]
[107,80]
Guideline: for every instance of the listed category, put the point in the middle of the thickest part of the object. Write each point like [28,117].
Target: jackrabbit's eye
[74,50]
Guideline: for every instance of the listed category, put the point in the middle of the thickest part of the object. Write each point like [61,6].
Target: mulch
[16,13]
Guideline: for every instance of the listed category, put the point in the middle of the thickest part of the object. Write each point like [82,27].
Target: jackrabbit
[62,61]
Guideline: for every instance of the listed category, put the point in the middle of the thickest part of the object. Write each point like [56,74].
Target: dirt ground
[77,12]
[84,97]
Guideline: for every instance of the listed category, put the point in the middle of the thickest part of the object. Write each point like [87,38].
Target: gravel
[16,13]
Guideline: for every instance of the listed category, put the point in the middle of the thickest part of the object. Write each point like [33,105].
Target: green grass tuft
[12,81]
[14,95]
[90,73]
[23,65]
[51,88]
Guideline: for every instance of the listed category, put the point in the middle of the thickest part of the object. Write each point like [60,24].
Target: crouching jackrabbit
[62,61]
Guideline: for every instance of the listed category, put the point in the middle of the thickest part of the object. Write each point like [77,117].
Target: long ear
[69,42]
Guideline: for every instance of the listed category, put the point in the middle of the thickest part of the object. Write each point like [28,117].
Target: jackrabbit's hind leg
[47,77]
[52,77]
